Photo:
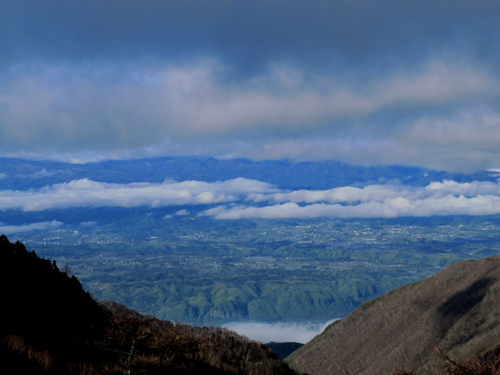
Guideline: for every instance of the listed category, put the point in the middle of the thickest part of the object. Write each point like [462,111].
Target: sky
[363,82]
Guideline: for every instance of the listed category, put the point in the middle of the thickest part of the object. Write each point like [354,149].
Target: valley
[202,271]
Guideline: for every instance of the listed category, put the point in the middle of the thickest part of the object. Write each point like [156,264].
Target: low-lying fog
[279,332]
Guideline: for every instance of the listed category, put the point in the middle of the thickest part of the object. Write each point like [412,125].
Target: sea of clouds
[245,198]
[278,332]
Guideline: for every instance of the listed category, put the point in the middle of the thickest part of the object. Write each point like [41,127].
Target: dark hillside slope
[50,325]
[284,349]
[458,309]
[43,305]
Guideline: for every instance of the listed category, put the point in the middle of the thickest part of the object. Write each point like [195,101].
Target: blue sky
[363,82]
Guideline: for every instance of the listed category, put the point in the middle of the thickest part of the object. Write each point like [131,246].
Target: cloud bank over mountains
[443,108]
[244,198]
[375,82]
[46,225]
[87,193]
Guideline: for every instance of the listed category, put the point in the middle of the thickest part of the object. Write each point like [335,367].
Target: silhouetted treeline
[50,325]
[145,345]
[44,305]
[284,349]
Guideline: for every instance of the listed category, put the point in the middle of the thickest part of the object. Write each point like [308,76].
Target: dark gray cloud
[365,82]
[248,34]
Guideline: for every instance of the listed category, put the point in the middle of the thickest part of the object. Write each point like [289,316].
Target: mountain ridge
[50,325]
[456,309]
[286,174]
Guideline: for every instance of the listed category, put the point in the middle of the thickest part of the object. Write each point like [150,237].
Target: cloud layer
[87,193]
[243,198]
[247,33]
[387,201]
[443,114]
[377,83]
[46,225]
[278,332]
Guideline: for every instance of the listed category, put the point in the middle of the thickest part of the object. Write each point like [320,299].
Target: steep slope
[141,344]
[458,309]
[50,325]
[284,349]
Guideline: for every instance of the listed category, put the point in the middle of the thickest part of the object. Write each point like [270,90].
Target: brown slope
[142,344]
[51,326]
[458,309]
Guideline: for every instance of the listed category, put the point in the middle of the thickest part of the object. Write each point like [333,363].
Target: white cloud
[278,332]
[394,207]
[42,173]
[244,198]
[84,193]
[462,140]
[442,114]
[381,193]
[438,198]
[46,225]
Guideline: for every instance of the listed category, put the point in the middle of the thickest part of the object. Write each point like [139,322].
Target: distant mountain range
[18,174]
[456,310]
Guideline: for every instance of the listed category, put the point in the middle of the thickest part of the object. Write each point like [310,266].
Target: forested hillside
[50,325]
[456,310]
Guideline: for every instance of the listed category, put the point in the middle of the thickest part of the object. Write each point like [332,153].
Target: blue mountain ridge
[19,174]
